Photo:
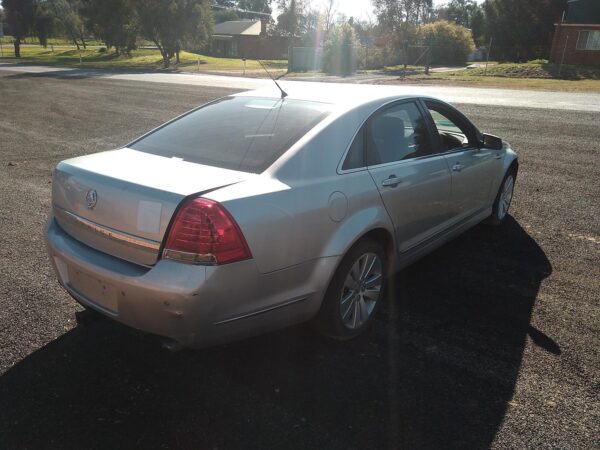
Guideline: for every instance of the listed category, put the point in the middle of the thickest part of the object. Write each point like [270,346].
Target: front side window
[397,133]
[588,40]
[239,133]
[453,131]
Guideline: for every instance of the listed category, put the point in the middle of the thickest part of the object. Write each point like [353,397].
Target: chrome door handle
[497,156]
[392,181]
[457,167]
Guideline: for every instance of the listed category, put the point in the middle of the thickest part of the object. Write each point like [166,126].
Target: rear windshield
[239,133]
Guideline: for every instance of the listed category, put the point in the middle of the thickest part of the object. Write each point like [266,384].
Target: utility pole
[487,60]
[293,23]
[562,59]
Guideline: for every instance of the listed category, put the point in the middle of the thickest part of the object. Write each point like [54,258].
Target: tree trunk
[76,43]
[83,42]
[17,44]
[164,54]
[177,56]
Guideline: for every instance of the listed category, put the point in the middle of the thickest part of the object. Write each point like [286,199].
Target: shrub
[538,61]
[449,43]
[378,57]
[340,51]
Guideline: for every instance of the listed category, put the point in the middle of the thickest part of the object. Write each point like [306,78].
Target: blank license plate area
[94,289]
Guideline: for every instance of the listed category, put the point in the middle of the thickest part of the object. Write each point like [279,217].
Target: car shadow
[437,370]
[74,73]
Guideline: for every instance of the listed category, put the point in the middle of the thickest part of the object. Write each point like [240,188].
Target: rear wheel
[355,292]
[503,198]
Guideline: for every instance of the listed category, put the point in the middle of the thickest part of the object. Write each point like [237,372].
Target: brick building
[247,39]
[577,36]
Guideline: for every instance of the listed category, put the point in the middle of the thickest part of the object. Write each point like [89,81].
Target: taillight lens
[203,232]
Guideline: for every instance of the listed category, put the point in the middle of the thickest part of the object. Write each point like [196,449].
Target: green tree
[458,11]
[478,26]
[112,21]
[225,10]
[261,6]
[520,29]
[173,23]
[291,21]
[19,16]
[68,17]
[448,43]
[225,15]
[392,14]
[43,22]
[339,50]
[400,20]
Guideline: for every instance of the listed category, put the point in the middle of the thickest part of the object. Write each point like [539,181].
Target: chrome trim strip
[105,232]
[261,311]
[449,229]
[190,258]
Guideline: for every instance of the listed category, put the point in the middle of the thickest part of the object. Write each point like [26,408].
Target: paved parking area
[491,341]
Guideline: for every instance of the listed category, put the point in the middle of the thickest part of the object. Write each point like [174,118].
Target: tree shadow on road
[76,73]
[436,371]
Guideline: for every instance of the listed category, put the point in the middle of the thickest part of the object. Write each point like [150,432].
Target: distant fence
[414,57]
[304,59]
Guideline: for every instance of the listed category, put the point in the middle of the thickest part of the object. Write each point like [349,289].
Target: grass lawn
[141,59]
[533,75]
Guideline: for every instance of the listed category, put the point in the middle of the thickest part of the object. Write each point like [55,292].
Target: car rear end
[134,234]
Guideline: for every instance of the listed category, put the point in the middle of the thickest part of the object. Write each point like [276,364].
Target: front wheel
[503,199]
[355,292]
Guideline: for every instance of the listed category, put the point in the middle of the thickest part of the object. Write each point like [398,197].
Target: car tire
[354,294]
[503,198]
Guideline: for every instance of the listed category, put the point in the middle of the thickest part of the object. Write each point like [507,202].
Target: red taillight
[203,232]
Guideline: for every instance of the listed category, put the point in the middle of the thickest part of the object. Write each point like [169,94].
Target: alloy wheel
[361,290]
[506,196]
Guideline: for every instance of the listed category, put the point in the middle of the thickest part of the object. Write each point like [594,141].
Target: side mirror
[491,141]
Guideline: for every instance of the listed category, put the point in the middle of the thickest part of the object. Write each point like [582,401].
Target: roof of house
[238,27]
[583,11]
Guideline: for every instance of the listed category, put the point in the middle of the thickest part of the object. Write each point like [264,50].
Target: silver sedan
[266,209]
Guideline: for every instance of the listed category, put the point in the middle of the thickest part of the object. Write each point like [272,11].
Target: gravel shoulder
[491,341]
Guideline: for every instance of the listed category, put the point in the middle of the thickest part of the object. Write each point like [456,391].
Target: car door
[413,181]
[473,168]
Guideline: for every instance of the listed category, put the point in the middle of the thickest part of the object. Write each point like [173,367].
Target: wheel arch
[510,161]
[379,234]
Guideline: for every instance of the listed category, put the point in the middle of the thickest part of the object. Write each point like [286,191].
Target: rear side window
[238,133]
[355,158]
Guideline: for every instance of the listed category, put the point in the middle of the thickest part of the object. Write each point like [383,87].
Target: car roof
[339,94]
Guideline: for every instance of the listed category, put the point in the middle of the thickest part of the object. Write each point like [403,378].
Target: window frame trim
[340,169]
[475,131]
[367,123]
[579,49]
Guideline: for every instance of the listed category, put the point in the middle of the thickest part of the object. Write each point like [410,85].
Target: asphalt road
[491,341]
[568,101]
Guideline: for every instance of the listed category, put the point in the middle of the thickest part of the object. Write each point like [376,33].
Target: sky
[361,9]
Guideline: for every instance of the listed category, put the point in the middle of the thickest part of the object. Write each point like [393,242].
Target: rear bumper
[194,305]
